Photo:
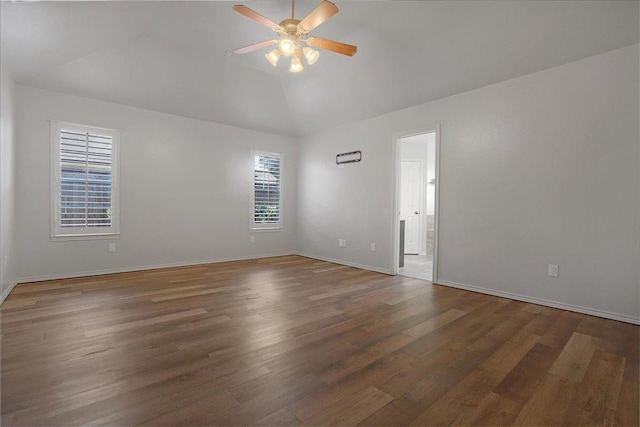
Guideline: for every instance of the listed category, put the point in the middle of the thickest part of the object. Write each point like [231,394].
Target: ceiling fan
[293,33]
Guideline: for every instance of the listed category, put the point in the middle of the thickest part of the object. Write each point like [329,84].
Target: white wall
[7,184]
[184,189]
[536,170]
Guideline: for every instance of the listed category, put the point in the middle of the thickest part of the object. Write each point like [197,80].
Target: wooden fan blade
[252,14]
[337,47]
[324,11]
[255,46]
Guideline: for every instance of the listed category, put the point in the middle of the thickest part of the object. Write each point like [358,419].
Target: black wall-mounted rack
[352,157]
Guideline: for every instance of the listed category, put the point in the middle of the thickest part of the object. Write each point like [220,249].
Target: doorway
[416,201]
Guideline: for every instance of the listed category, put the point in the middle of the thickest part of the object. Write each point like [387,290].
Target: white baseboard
[6,293]
[554,304]
[347,263]
[518,297]
[143,268]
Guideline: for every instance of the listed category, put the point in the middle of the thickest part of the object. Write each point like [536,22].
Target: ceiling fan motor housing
[290,26]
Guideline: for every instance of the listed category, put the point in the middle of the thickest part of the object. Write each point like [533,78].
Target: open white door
[410,204]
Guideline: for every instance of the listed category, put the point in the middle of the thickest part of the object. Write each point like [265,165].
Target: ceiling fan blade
[324,11]
[252,14]
[337,47]
[255,46]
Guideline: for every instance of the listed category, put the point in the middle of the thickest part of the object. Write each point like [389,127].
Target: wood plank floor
[295,341]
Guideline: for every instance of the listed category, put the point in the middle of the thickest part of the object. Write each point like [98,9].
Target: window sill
[67,237]
[266,229]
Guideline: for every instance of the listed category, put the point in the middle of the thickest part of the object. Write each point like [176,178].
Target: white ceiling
[172,56]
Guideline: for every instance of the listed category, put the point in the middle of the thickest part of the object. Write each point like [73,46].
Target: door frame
[395,217]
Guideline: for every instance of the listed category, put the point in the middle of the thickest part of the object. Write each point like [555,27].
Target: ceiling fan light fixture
[311,55]
[296,65]
[287,46]
[293,34]
[273,56]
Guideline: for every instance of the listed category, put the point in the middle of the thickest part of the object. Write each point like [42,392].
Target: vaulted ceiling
[173,56]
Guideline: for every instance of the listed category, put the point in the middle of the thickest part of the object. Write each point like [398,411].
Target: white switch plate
[373,247]
[253,239]
[553,270]
[112,247]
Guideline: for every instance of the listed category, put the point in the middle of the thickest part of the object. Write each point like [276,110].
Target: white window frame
[83,233]
[265,226]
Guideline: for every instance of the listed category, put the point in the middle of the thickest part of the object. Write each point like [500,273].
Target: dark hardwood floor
[291,340]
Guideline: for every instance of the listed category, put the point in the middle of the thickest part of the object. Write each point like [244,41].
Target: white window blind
[267,190]
[84,181]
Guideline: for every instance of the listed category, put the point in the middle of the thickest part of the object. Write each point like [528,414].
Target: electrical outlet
[112,247]
[5,261]
[553,270]
[253,239]
[373,247]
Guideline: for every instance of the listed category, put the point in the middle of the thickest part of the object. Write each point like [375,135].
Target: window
[84,181]
[266,195]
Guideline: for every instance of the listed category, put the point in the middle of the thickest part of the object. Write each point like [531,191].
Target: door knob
[417,213]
